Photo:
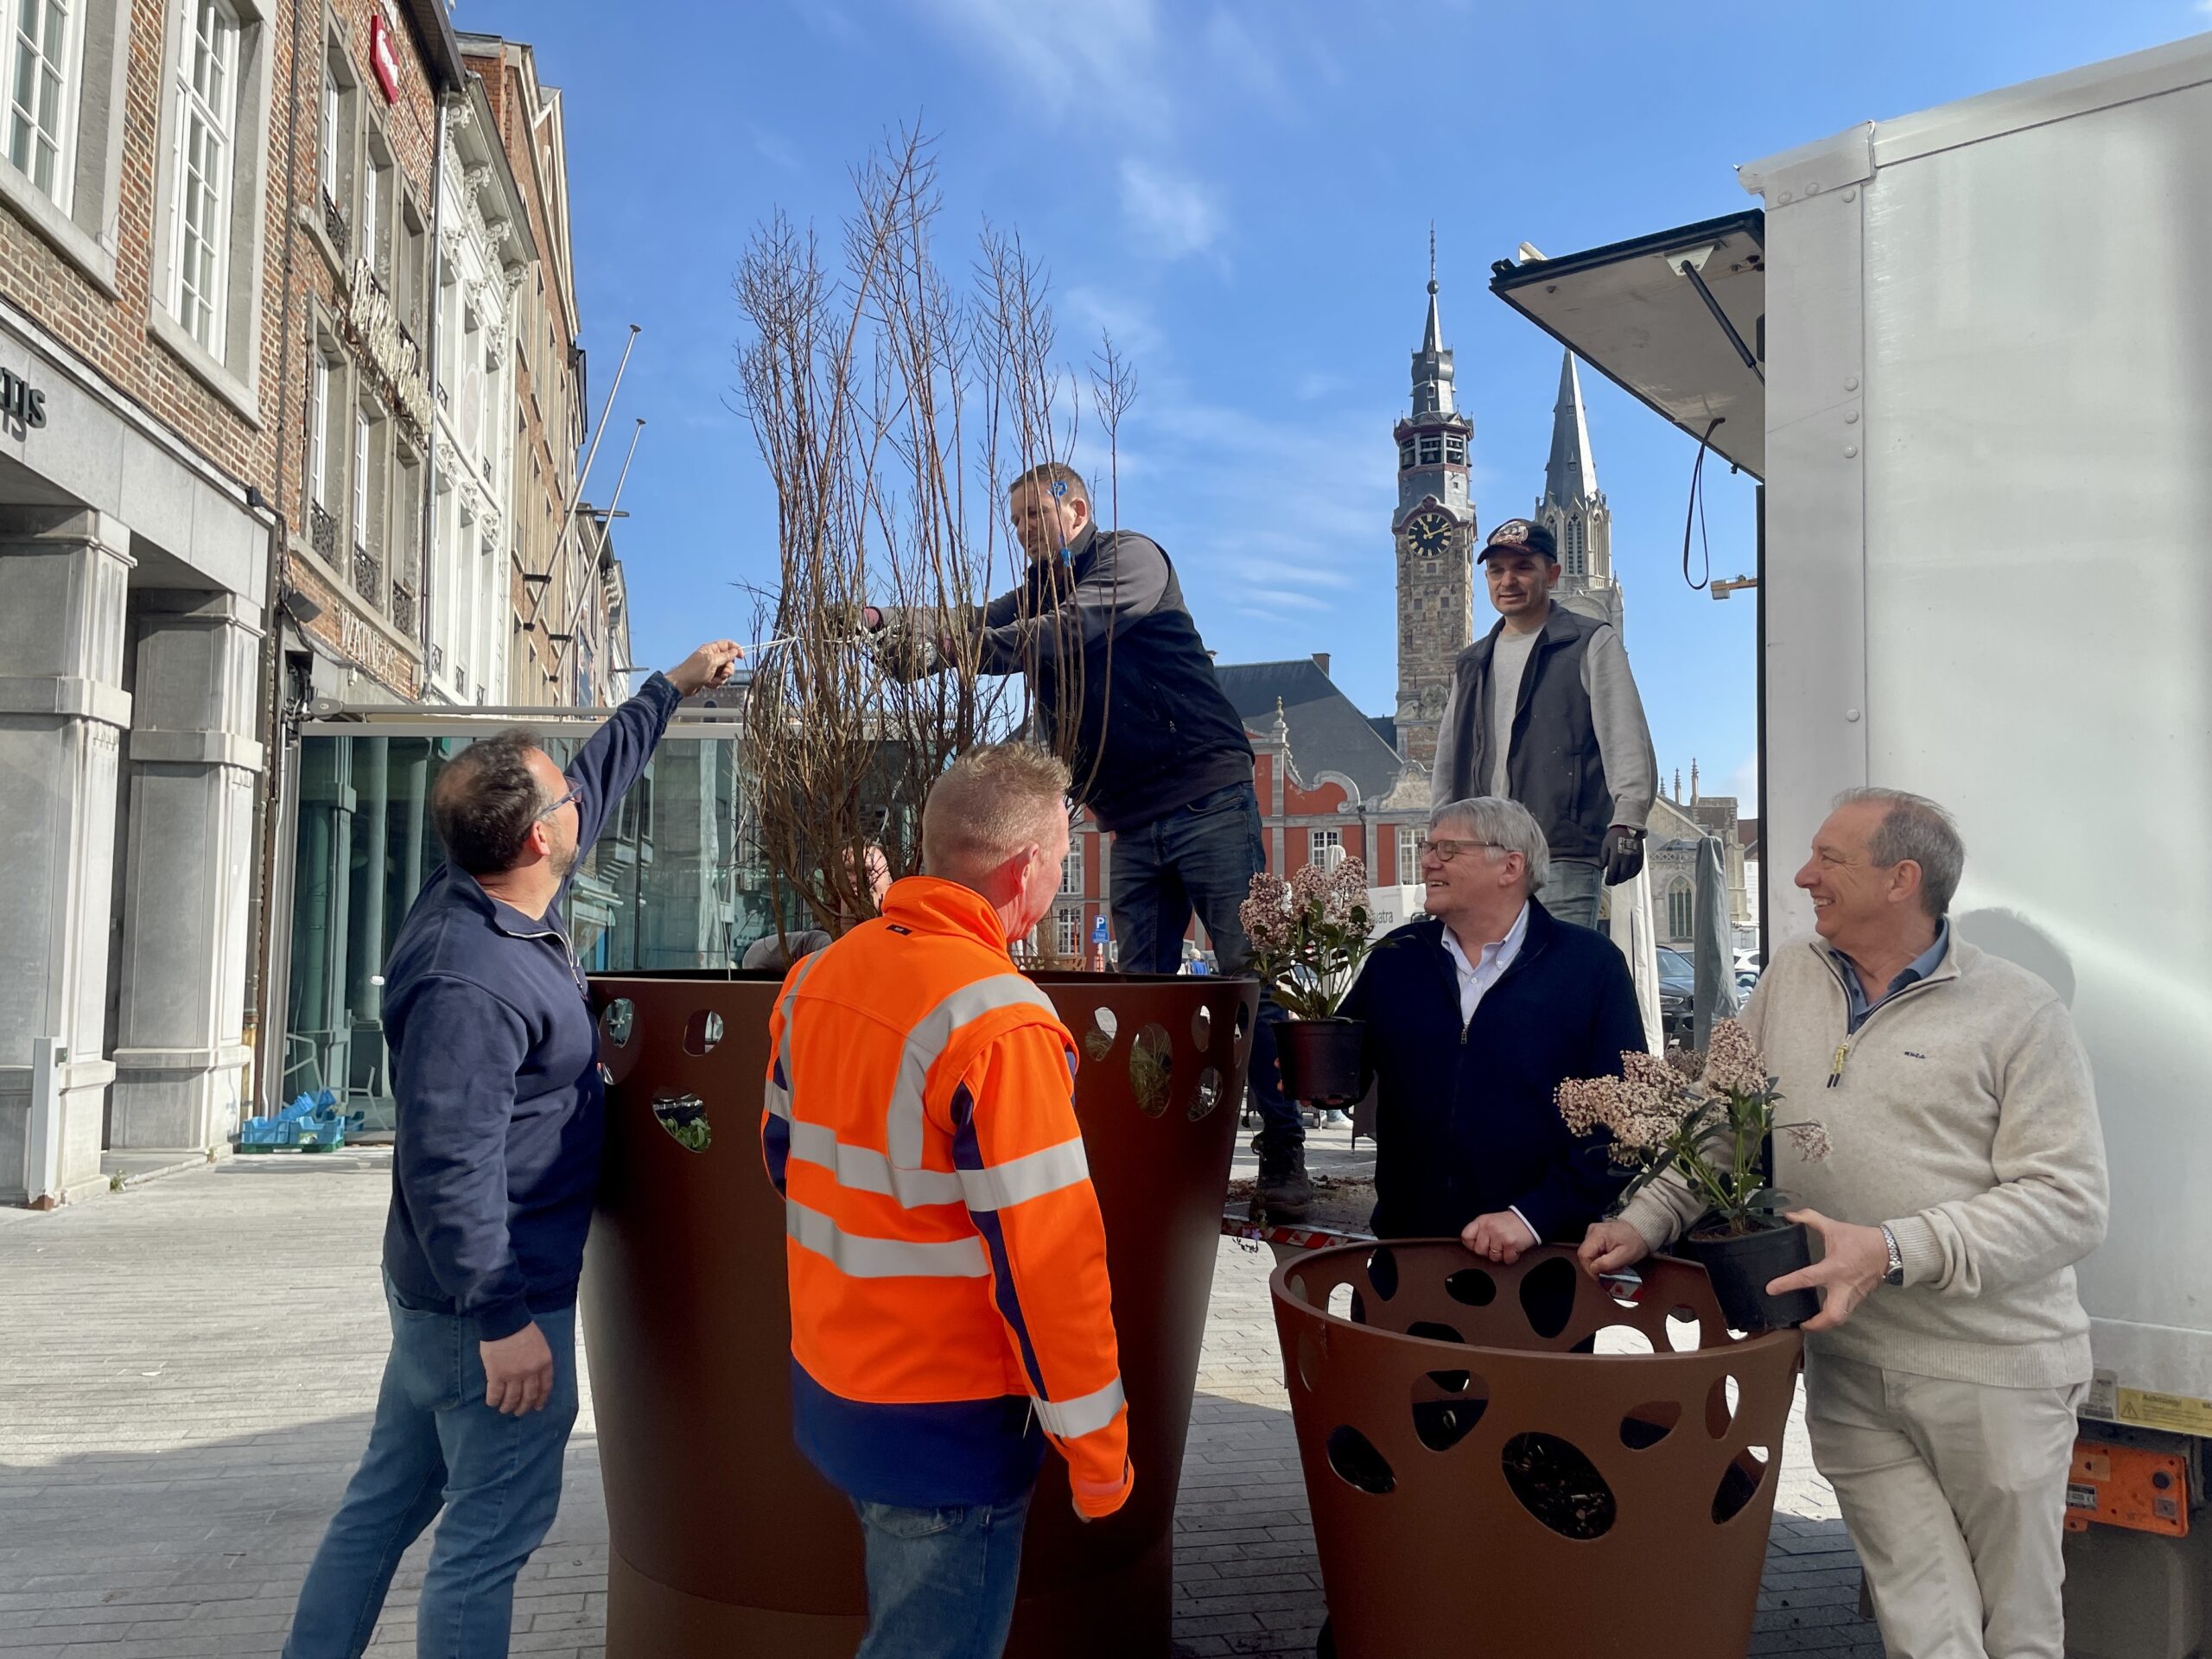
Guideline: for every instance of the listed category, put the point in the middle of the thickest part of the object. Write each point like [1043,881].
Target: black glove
[906,655]
[1622,854]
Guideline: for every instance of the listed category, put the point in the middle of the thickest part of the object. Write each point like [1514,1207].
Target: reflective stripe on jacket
[946,1256]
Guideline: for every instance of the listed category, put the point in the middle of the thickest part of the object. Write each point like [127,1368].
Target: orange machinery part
[2127,1486]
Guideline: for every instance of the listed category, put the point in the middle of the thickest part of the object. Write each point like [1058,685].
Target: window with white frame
[1327,847]
[1412,837]
[1681,909]
[1067,931]
[205,164]
[45,40]
[376,211]
[1071,868]
[319,374]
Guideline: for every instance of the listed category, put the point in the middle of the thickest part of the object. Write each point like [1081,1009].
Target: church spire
[1433,362]
[1571,475]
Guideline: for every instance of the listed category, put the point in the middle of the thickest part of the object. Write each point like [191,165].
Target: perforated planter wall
[1480,1486]
[724,1539]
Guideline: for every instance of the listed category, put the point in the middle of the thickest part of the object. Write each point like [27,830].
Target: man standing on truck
[1966,1178]
[1123,683]
[1543,711]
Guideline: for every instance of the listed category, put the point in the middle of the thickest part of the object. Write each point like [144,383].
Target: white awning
[1642,313]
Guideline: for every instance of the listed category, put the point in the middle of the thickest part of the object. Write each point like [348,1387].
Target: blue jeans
[435,1445]
[1200,860]
[941,1582]
[1571,891]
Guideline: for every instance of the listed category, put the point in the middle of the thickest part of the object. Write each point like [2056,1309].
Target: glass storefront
[672,883]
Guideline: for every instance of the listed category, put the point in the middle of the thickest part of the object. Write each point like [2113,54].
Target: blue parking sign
[1098,932]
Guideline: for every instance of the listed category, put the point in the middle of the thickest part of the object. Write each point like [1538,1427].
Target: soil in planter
[1559,1486]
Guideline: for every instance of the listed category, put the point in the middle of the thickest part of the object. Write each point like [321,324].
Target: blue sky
[1242,192]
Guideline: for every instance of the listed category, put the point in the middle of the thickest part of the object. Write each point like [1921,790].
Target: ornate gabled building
[1434,531]
[1573,508]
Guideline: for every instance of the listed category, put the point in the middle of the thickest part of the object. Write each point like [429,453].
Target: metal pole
[561,546]
[583,589]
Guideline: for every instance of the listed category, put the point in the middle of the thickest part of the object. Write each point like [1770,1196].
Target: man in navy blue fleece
[501,1120]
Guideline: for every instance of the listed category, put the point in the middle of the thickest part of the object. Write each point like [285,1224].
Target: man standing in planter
[500,1122]
[1967,1176]
[950,1312]
[1475,1015]
[1543,710]
[1123,683]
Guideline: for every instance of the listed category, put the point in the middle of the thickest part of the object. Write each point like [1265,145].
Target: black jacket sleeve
[616,754]
[1580,1186]
[454,1072]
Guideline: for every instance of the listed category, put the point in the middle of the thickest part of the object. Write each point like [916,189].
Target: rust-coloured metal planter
[724,1539]
[1480,1486]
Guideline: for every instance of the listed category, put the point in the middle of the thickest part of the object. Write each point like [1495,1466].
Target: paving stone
[208,1353]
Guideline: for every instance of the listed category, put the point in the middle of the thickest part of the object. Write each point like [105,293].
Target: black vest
[1553,768]
[1154,731]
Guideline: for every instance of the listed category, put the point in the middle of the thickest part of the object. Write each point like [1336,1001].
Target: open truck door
[1968,354]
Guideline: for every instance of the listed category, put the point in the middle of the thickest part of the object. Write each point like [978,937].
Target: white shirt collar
[1495,958]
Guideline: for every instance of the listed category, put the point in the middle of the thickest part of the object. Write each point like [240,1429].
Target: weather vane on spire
[1432,255]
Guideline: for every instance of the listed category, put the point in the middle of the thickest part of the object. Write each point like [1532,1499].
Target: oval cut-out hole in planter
[1471,1287]
[1382,1272]
[1202,1027]
[701,1032]
[1435,1331]
[1446,1405]
[606,1076]
[1150,1062]
[1739,1484]
[617,1020]
[1098,1041]
[1684,1333]
[1207,1094]
[1649,1424]
[1720,1406]
[1243,1023]
[1548,1296]
[684,1117]
[1558,1485]
[1310,1350]
[1356,1462]
[1340,1303]
[1621,1339]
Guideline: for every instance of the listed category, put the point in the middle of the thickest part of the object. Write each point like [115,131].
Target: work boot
[1284,1192]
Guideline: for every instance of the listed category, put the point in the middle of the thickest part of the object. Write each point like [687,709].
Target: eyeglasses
[1445,850]
[575,794]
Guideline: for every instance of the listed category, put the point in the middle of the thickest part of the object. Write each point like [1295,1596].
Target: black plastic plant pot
[1321,1060]
[1742,1265]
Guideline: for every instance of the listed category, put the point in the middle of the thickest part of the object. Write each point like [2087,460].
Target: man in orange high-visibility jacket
[950,1306]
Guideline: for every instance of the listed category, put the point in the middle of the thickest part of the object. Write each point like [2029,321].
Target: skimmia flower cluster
[1705,1118]
[1309,935]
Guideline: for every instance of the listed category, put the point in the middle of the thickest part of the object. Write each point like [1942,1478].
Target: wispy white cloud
[775,151]
[1311,386]
[1093,313]
[1057,53]
[1175,214]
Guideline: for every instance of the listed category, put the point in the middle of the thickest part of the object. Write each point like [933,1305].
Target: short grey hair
[1913,827]
[1505,826]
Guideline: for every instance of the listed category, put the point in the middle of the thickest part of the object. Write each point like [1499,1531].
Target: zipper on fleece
[1843,1049]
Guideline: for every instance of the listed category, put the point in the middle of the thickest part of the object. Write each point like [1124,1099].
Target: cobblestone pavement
[186,1381]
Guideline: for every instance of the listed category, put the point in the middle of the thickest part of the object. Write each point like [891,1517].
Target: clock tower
[1434,529]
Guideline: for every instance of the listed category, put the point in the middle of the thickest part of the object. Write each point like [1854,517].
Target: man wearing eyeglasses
[499,1125]
[1543,710]
[1474,1016]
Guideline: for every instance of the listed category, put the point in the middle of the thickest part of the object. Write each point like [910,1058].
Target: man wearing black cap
[1543,711]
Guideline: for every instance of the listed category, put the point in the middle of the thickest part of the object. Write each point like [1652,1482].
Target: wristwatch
[1896,1275]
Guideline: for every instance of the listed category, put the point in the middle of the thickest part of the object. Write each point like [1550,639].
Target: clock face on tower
[1429,533]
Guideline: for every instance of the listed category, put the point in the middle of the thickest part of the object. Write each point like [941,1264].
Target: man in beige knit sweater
[1967,1177]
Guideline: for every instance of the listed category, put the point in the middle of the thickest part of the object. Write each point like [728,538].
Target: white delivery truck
[1968,354]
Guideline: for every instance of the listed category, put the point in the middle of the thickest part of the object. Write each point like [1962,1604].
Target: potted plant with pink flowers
[1309,935]
[1704,1121]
